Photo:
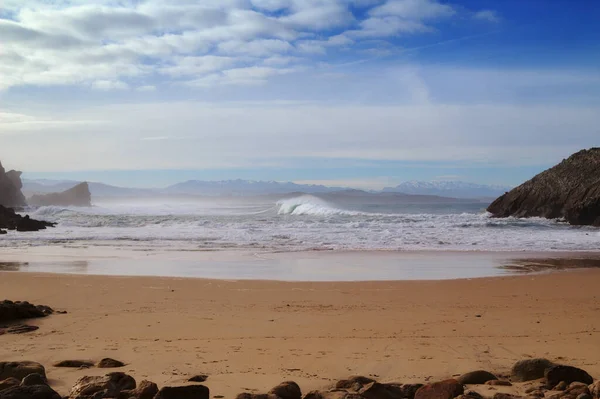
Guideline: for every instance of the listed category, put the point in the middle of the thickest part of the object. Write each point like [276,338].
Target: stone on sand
[184,392]
[568,374]
[20,370]
[476,377]
[108,386]
[145,390]
[34,379]
[354,383]
[447,389]
[74,364]
[108,363]
[29,392]
[287,390]
[530,369]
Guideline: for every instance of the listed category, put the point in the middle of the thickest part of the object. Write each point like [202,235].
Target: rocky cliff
[569,190]
[76,196]
[10,188]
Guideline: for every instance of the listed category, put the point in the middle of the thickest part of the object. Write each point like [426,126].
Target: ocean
[298,223]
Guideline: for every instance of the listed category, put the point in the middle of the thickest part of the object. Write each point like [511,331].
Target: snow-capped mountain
[447,188]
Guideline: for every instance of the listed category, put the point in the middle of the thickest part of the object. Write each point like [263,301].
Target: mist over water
[299,223]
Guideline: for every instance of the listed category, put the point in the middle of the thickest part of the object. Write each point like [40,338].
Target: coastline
[251,335]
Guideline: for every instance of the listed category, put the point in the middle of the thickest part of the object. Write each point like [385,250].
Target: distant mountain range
[453,189]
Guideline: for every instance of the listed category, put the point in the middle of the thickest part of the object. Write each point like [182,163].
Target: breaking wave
[310,205]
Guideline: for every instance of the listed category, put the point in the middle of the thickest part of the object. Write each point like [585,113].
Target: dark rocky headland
[569,191]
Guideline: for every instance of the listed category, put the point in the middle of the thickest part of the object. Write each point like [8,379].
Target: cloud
[487,15]
[109,85]
[148,88]
[79,43]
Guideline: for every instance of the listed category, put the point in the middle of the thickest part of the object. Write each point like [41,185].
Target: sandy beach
[251,335]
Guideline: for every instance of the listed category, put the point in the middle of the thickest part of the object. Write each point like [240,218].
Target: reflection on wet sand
[532,265]
[75,266]
[12,266]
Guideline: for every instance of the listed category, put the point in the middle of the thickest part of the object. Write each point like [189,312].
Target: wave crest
[309,205]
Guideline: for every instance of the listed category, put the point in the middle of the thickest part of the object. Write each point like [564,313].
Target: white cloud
[77,42]
[487,15]
[109,85]
[148,88]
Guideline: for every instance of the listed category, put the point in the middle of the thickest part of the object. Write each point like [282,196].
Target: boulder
[20,370]
[34,379]
[476,377]
[470,395]
[354,383]
[335,394]
[287,390]
[595,389]
[569,190]
[145,390]
[409,390]
[18,310]
[198,378]
[108,363]
[75,196]
[529,369]
[29,392]
[247,395]
[184,392]
[568,374]
[501,395]
[9,382]
[108,386]
[10,189]
[80,364]
[447,389]
[375,390]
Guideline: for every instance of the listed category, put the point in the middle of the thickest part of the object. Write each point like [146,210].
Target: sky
[363,93]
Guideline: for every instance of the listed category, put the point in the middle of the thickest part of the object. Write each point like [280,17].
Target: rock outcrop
[20,310]
[10,189]
[569,190]
[75,196]
[11,220]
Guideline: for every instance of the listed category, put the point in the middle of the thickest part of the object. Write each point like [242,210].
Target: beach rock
[3,232]
[595,389]
[184,392]
[447,389]
[536,393]
[107,386]
[584,396]
[29,392]
[108,363]
[335,394]
[354,383]
[501,395]
[34,379]
[409,390]
[9,382]
[568,374]
[20,370]
[75,196]
[501,383]
[247,395]
[145,390]
[81,364]
[375,390]
[470,395]
[476,377]
[10,189]
[561,386]
[529,369]
[17,329]
[18,310]
[569,190]
[287,390]
[198,378]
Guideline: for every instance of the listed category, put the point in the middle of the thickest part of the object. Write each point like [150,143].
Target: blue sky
[365,93]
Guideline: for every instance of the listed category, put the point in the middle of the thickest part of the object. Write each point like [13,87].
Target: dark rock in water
[10,189]
[17,329]
[184,392]
[108,386]
[18,310]
[20,370]
[568,374]
[29,392]
[569,190]
[74,364]
[75,196]
[198,378]
[145,390]
[109,363]
[3,232]
[34,379]
[354,383]
[447,389]
[476,377]
[11,220]
[287,390]
[8,383]
[529,369]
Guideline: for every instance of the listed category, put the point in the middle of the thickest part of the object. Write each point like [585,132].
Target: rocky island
[569,191]
[75,196]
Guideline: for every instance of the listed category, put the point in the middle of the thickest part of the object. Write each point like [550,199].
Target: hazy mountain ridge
[449,188]
[241,187]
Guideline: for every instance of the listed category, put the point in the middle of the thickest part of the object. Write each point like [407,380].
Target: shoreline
[309,266]
[248,336]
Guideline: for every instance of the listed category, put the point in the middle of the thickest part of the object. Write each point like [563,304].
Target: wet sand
[251,335]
